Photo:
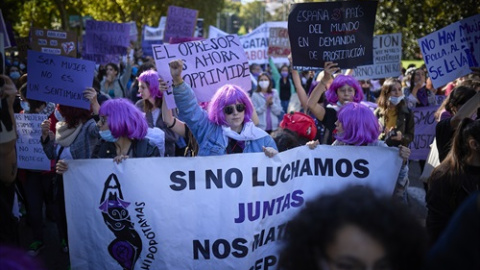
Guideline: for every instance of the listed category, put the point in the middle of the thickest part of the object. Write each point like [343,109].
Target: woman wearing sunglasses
[227,127]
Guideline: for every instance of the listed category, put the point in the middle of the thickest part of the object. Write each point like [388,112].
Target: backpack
[300,123]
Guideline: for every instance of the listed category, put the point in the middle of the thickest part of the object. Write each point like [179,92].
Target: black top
[444,135]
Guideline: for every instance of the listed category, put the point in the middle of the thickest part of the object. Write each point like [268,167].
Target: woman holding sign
[114,84]
[227,127]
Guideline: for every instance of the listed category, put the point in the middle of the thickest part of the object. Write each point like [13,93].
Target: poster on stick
[451,51]
[30,154]
[340,31]
[208,212]
[387,58]
[54,41]
[103,37]
[278,42]
[207,65]
[59,79]
[181,22]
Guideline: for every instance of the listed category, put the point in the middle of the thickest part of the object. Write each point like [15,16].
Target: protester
[267,104]
[283,83]
[396,118]
[227,127]
[357,125]
[151,104]
[455,178]
[417,95]
[123,130]
[255,71]
[114,84]
[133,91]
[75,137]
[463,102]
[37,184]
[353,229]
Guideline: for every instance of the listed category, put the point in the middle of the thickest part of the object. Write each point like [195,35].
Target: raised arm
[318,109]
[167,116]
[301,93]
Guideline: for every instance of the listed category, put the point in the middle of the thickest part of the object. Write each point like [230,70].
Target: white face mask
[58,116]
[264,84]
[396,100]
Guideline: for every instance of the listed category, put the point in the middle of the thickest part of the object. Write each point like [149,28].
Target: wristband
[173,124]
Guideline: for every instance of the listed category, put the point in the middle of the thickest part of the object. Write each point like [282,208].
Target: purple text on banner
[208,65]
[59,79]
[106,37]
[425,124]
[181,22]
[451,51]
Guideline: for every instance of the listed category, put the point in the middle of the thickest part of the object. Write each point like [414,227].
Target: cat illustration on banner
[127,245]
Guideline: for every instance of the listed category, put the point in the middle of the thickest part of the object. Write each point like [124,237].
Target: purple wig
[124,119]
[225,96]
[338,82]
[360,126]
[150,77]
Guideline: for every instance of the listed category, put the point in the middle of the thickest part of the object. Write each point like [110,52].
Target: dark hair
[412,78]
[459,96]
[385,220]
[270,86]
[285,139]
[74,116]
[114,66]
[34,104]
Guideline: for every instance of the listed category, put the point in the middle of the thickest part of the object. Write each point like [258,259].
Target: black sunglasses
[229,109]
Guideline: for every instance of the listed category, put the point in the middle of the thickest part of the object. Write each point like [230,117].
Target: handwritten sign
[152,36]
[181,22]
[54,42]
[30,153]
[59,79]
[387,58]
[340,32]
[208,65]
[451,51]
[106,37]
[256,43]
[278,42]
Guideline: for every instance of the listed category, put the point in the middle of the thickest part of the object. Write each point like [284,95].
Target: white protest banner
[59,79]
[214,32]
[30,153]
[208,65]
[451,51]
[255,44]
[219,212]
[387,58]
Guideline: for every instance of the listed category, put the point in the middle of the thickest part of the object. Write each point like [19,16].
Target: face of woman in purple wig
[144,90]
[345,93]
[235,118]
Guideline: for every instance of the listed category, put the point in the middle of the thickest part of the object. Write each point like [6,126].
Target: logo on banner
[68,46]
[127,245]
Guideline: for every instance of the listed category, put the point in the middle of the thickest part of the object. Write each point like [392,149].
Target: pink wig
[225,96]
[124,119]
[338,82]
[150,77]
[360,126]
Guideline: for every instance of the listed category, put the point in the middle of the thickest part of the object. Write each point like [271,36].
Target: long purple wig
[225,96]
[360,126]
[338,82]
[150,77]
[124,119]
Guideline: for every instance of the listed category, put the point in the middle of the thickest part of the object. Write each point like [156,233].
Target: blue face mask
[25,106]
[14,75]
[107,136]
[59,116]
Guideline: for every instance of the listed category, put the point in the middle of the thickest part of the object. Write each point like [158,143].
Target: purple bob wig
[150,77]
[360,126]
[338,82]
[225,96]
[124,119]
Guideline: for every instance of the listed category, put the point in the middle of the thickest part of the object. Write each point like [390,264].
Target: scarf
[64,135]
[249,133]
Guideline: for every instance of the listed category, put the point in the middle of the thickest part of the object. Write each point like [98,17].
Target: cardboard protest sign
[256,43]
[59,79]
[54,41]
[208,65]
[425,124]
[208,212]
[101,59]
[151,36]
[340,31]
[278,42]
[181,22]
[106,37]
[387,58]
[451,51]
[30,153]
[133,31]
